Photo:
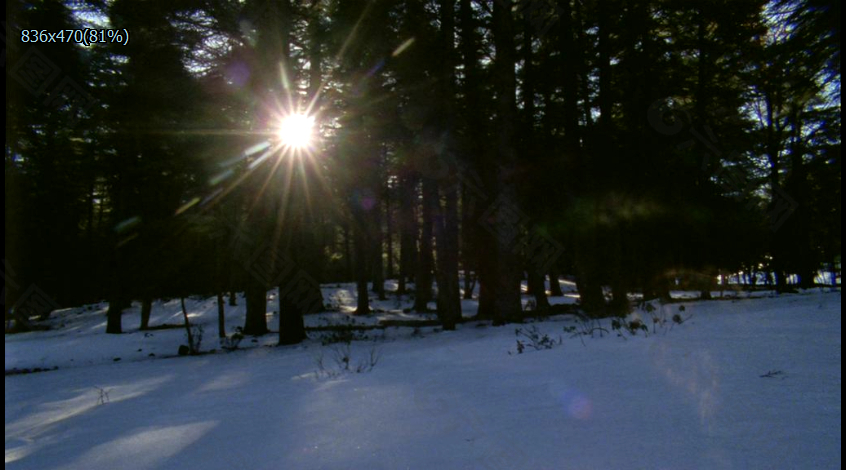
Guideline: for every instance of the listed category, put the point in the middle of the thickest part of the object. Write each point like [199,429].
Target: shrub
[532,338]
[342,362]
[231,342]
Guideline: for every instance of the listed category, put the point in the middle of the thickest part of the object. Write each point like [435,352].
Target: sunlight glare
[295,131]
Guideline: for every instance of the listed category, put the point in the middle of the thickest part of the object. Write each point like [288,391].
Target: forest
[226,146]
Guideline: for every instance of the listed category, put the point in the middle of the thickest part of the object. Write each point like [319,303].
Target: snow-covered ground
[744,383]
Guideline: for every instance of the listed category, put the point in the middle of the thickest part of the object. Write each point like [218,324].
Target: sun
[296,131]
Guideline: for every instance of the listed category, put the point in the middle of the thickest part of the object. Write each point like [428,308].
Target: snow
[744,383]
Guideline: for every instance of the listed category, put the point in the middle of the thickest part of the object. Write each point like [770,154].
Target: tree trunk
[467,241]
[507,304]
[554,282]
[360,245]
[619,299]
[389,236]
[408,231]
[116,294]
[146,309]
[191,345]
[449,301]
[477,249]
[591,297]
[255,323]
[425,264]
[221,315]
[536,285]
[377,269]
[291,309]
[619,294]
[113,316]
[446,226]
[469,284]
[348,258]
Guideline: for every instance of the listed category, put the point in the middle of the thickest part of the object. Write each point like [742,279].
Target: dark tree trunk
[604,30]
[348,255]
[619,299]
[486,298]
[467,241]
[113,316]
[256,317]
[619,293]
[233,299]
[360,243]
[664,289]
[535,276]
[146,309]
[536,286]
[315,54]
[446,226]
[449,301]
[220,285]
[312,265]
[807,280]
[188,332]
[389,236]
[117,298]
[221,315]
[591,297]
[377,269]
[291,327]
[299,290]
[408,230]
[554,282]
[588,283]
[487,255]
[425,264]
[469,284]
[507,305]
[477,249]
[291,310]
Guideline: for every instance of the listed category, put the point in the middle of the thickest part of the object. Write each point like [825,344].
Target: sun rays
[296,132]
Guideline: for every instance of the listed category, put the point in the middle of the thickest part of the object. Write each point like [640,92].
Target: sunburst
[296,131]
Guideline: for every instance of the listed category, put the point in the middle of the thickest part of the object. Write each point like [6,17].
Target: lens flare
[296,131]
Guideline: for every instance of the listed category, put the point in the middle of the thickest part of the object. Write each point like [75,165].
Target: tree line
[634,145]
